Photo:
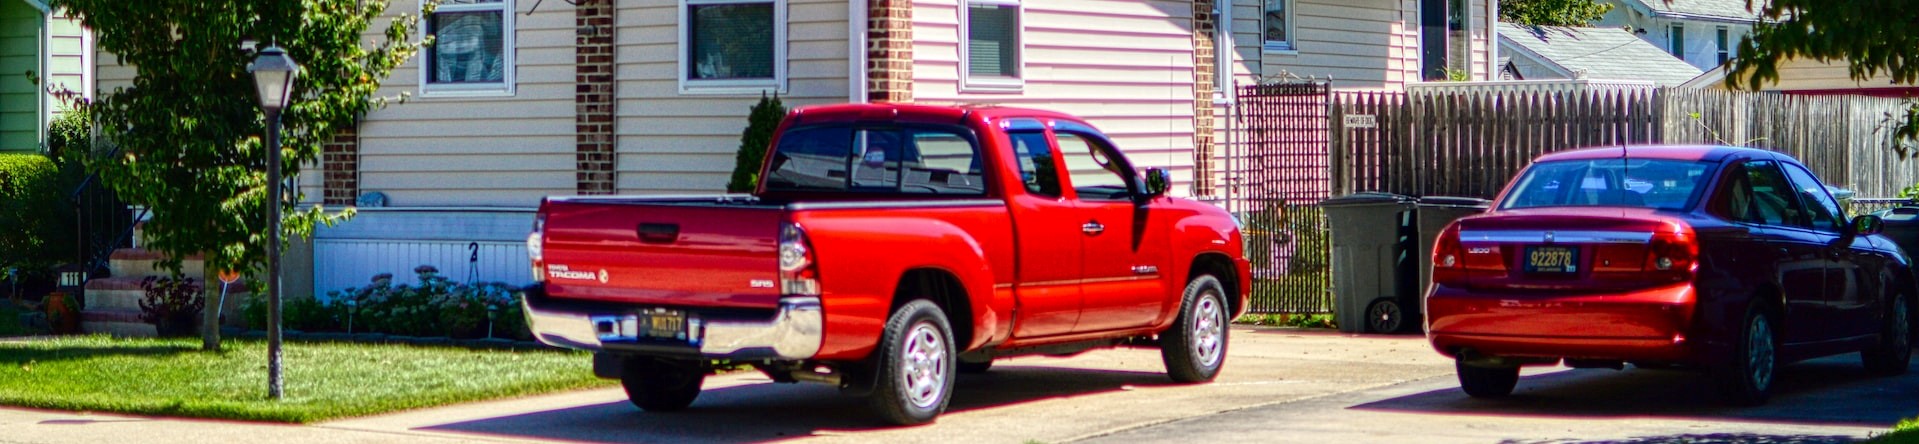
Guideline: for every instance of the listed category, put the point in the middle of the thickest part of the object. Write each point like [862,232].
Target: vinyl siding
[477,151]
[1359,44]
[1125,66]
[1702,46]
[20,53]
[67,47]
[670,142]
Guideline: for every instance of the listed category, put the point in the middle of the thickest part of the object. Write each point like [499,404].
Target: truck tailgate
[696,253]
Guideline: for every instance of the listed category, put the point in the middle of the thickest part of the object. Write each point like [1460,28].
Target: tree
[1874,37]
[1552,12]
[189,131]
[760,125]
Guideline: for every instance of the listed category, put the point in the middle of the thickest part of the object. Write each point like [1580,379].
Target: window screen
[877,159]
[469,44]
[730,41]
[992,41]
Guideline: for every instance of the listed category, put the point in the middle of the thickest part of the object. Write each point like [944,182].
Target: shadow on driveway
[767,411]
[1830,391]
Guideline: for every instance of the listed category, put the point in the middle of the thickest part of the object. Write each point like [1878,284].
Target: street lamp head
[273,74]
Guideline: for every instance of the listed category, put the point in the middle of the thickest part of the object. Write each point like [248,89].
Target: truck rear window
[847,158]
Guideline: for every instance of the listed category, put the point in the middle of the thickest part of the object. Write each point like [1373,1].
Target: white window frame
[692,86]
[969,83]
[1288,46]
[507,85]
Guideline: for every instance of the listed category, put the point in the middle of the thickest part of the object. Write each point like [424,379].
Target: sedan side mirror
[1867,225]
[1157,182]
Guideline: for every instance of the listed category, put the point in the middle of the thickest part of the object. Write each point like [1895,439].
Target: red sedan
[1732,260]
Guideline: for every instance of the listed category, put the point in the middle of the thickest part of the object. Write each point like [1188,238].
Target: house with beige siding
[42,52]
[1814,77]
[522,99]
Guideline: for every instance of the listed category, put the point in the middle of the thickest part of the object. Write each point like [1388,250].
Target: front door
[1847,301]
[1122,260]
[1047,232]
[1800,259]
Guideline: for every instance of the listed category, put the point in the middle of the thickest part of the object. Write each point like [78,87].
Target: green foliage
[172,377]
[1911,192]
[172,305]
[1552,12]
[35,232]
[190,128]
[1907,432]
[1873,37]
[1296,320]
[760,125]
[435,307]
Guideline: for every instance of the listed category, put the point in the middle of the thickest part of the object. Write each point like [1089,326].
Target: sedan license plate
[658,323]
[1552,260]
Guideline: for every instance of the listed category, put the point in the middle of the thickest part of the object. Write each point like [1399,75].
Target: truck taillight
[1449,258]
[799,274]
[1672,254]
[536,246]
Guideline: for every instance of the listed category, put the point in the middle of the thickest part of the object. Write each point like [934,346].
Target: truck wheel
[916,365]
[1486,382]
[661,385]
[1195,347]
[1747,380]
[1890,356]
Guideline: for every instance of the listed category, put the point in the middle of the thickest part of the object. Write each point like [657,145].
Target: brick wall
[1204,183]
[593,96]
[889,51]
[340,167]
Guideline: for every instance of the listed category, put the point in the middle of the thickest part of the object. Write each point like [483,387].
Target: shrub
[760,125]
[171,305]
[436,306]
[35,221]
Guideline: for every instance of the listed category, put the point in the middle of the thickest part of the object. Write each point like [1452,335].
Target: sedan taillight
[1672,254]
[1449,258]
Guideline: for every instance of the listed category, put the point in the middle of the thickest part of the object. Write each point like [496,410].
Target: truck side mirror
[1157,182]
[1867,225]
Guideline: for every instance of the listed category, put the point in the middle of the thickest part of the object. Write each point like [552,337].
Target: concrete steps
[142,262]
[113,303]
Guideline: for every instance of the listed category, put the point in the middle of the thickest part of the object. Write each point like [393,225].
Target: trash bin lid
[1368,198]
[1900,214]
[1455,201]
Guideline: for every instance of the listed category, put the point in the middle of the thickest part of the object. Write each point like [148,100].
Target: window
[1725,50]
[732,46]
[878,160]
[1094,174]
[1459,27]
[472,52]
[1822,210]
[1677,45]
[1036,167]
[1645,183]
[1278,22]
[1771,202]
[991,56]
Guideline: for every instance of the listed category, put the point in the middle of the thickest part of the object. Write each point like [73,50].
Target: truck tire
[1892,354]
[916,360]
[1194,348]
[1748,379]
[662,385]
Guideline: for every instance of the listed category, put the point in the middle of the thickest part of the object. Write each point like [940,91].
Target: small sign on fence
[1361,121]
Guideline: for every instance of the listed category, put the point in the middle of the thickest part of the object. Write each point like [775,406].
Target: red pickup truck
[887,248]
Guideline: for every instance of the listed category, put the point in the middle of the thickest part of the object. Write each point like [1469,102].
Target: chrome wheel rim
[924,365]
[1209,338]
[1759,352]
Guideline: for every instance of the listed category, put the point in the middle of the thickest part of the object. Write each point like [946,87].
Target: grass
[1907,432]
[324,380]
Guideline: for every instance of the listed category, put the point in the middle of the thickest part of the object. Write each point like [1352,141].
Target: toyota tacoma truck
[886,249]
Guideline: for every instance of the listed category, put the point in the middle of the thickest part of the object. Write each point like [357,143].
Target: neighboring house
[1560,53]
[1364,44]
[40,51]
[1812,77]
[1704,33]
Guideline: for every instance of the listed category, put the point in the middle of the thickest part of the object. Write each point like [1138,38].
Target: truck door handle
[1092,228]
[659,233]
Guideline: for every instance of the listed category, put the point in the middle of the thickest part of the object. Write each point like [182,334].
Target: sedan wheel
[1748,380]
[1893,353]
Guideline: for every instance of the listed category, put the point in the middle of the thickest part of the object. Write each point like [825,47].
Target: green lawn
[324,380]
[1907,432]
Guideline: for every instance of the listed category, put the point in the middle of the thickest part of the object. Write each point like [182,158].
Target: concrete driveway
[1280,385]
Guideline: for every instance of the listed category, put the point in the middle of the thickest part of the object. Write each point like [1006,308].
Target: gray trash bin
[1902,225]
[1434,213]
[1371,235]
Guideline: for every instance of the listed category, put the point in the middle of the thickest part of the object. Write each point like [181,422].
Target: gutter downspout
[1492,40]
[856,35]
[1224,88]
[45,116]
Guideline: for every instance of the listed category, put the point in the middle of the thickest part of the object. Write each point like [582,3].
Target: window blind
[992,40]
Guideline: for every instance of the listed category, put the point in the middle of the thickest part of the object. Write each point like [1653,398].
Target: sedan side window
[1823,210]
[1773,202]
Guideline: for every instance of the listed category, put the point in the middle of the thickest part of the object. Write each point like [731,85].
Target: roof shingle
[1603,53]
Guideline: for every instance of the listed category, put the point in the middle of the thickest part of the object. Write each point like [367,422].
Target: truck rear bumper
[793,332]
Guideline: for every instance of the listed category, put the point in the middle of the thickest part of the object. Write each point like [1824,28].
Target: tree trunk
[210,320]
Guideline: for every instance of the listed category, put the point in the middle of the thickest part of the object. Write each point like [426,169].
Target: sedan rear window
[1664,184]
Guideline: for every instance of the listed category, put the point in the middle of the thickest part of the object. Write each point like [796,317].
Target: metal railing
[103,222]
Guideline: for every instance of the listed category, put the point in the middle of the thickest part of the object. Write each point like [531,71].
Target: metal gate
[1278,173]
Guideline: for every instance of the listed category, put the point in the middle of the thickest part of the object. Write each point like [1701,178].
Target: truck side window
[1094,175]
[1036,167]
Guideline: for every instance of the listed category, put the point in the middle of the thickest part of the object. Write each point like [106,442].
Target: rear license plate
[1552,260]
[658,323]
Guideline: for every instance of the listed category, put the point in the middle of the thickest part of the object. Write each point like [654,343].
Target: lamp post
[273,74]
